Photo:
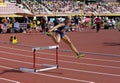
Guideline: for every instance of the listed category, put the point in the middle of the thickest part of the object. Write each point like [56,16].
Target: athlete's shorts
[62,34]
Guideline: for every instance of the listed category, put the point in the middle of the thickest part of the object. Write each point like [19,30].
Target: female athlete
[60,34]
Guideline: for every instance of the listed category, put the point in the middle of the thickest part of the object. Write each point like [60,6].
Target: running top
[63,28]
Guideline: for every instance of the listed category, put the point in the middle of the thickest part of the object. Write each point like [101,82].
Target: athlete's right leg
[56,38]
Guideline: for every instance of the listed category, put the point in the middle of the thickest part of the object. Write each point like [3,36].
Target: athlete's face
[69,20]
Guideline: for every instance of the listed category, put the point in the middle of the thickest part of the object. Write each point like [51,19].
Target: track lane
[67,73]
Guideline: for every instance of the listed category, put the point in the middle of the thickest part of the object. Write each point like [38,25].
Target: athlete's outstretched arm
[57,26]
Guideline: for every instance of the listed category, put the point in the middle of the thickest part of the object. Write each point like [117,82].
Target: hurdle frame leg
[48,66]
[57,57]
[34,59]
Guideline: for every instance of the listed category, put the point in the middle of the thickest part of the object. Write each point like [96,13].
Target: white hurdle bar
[45,48]
[47,66]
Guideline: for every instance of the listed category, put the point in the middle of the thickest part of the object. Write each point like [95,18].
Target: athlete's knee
[57,42]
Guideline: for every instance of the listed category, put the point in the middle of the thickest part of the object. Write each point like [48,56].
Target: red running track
[100,65]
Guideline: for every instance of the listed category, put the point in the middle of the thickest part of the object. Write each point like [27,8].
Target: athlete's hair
[67,18]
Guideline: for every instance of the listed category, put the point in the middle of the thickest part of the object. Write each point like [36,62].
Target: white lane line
[60,54]
[105,60]
[105,66]
[93,53]
[70,69]
[100,73]
[65,78]
[9,80]
[54,76]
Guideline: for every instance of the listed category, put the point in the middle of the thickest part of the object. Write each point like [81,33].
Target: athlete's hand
[49,33]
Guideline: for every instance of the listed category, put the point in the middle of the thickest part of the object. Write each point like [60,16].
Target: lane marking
[94,53]
[70,69]
[9,80]
[105,66]
[61,55]
[53,76]
[64,50]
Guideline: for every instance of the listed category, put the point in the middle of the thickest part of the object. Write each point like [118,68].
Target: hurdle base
[27,70]
[47,67]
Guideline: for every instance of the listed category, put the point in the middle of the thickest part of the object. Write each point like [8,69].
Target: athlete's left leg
[67,40]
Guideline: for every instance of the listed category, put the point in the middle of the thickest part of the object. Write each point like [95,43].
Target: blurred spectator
[113,24]
[16,27]
[56,21]
[97,22]
[4,20]
[43,25]
[0,28]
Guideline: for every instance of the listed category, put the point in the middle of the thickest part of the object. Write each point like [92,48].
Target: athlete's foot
[80,55]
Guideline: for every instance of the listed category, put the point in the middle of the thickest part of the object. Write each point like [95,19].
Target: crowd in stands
[32,6]
[71,6]
[14,25]
[79,23]
[59,6]
[9,25]
[114,8]
[10,8]
[67,7]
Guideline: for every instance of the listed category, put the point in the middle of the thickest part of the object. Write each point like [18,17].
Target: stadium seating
[62,7]
[10,8]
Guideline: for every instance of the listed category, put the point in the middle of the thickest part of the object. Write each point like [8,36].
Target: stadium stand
[47,7]
[29,9]
[10,8]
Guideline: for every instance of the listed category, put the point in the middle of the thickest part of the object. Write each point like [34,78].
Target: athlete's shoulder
[62,24]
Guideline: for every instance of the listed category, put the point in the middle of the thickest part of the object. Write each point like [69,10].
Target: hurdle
[47,66]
